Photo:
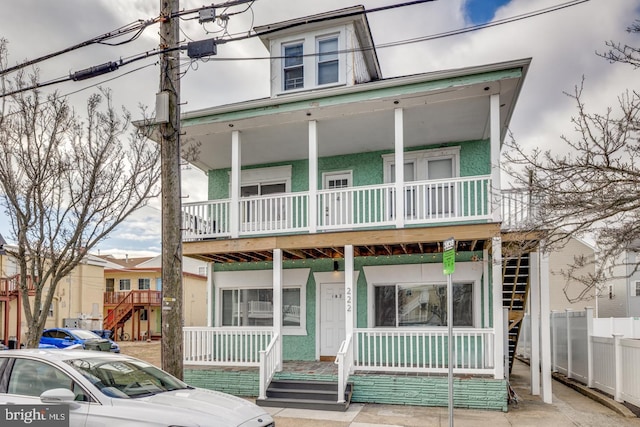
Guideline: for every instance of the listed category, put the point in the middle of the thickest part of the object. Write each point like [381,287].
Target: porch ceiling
[351,120]
[424,240]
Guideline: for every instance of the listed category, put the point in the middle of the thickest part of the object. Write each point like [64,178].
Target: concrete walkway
[569,408]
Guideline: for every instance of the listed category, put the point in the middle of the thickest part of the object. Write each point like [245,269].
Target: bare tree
[65,184]
[593,189]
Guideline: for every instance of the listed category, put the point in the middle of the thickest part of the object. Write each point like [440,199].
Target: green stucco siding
[303,347]
[367,168]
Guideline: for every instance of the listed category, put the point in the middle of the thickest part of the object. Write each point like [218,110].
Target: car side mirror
[57,395]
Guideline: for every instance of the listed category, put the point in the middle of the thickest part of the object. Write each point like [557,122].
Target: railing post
[262,392]
[554,341]
[569,346]
[589,315]
[617,360]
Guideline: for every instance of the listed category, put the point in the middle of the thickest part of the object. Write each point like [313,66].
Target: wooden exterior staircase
[515,291]
[121,306]
[10,291]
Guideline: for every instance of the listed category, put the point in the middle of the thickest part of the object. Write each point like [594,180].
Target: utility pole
[172,351]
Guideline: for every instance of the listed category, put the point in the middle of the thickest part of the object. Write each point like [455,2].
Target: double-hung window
[328,60]
[144,284]
[254,307]
[293,65]
[398,305]
[637,289]
[125,284]
[435,195]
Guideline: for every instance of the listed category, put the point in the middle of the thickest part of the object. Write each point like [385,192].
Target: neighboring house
[133,296]
[620,296]
[570,294]
[323,248]
[77,300]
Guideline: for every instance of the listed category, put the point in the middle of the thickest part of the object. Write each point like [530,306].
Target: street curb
[592,394]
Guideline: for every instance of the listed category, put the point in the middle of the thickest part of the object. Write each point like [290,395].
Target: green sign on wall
[449,257]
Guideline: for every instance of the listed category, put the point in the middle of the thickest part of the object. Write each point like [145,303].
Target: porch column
[496,205]
[313,176]
[349,291]
[210,294]
[234,209]
[399,162]
[485,289]
[545,329]
[498,328]
[534,315]
[277,301]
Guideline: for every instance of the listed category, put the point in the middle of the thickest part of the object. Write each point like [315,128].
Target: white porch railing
[518,209]
[270,363]
[225,346]
[353,207]
[285,212]
[423,350]
[425,202]
[344,360]
[448,199]
[206,220]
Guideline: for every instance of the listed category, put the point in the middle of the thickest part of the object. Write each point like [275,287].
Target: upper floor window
[637,289]
[125,284]
[328,60]
[144,284]
[293,66]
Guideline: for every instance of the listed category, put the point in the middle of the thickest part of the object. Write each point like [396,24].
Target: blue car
[65,337]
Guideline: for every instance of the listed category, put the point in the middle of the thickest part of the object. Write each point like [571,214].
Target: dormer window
[328,60]
[293,66]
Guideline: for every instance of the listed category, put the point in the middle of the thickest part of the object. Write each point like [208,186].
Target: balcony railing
[425,202]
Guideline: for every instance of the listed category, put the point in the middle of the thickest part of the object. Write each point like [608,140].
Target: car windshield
[84,335]
[126,378]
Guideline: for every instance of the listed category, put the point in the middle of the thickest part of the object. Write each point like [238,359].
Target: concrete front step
[318,395]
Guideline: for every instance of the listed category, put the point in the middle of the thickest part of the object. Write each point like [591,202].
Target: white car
[107,389]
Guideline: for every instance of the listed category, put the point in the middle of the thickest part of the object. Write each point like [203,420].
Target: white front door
[337,204]
[332,320]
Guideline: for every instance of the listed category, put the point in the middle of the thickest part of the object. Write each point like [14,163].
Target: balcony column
[494,123]
[277,300]
[313,176]
[349,291]
[498,328]
[534,316]
[399,172]
[234,208]
[545,327]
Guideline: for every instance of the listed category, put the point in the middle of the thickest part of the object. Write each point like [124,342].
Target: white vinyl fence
[600,353]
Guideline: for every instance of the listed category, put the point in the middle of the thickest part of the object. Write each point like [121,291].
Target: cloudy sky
[562,45]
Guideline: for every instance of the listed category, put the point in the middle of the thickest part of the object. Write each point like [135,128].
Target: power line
[364,48]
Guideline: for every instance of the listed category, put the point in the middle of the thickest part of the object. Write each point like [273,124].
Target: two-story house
[133,296]
[77,300]
[329,203]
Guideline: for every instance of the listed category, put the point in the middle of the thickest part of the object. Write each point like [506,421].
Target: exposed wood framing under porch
[403,241]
